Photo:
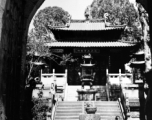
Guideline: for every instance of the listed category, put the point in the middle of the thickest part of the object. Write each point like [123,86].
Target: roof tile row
[87,26]
[89,44]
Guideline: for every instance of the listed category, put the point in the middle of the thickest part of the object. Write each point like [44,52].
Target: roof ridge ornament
[88,13]
[69,21]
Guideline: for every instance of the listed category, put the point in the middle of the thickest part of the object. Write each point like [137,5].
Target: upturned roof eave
[87,26]
[86,29]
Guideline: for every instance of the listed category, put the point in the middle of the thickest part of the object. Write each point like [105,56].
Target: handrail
[107,91]
[123,74]
[54,74]
[66,91]
[120,76]
[122,110]
[53,110]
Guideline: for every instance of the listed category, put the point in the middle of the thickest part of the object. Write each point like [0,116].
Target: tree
[36,50]
[50,17]
[41,34]
[118,12]
[143,18]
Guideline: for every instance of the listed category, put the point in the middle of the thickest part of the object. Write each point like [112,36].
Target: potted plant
[90,108]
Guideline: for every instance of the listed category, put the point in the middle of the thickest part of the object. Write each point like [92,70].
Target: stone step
[68,114]
[70,105]
[109,118]
[77,114]
[64,108]
[107,105]
[79,109]
[69,111]
[108,109]
[77,118]
[63,104]
[105,102]
[66,117]
[71,102]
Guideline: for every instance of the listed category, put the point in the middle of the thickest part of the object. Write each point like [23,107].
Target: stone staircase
[108,110]
[70,110]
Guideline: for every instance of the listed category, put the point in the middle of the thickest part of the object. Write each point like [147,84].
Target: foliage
[40,109]
[41,34]
[36,44]
[49,17]
[66,58]
[132,34]
[36,50]
[88,104]
[120,12]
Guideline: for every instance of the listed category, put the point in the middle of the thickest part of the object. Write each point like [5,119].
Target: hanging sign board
[85,50]
[57,50]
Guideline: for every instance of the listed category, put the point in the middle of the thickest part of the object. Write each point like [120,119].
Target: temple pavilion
[93,37]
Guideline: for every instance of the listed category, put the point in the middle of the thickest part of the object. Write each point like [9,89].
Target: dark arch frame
[15,17]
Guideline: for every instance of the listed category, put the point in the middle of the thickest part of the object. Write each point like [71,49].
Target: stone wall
[11,47]
[15,16]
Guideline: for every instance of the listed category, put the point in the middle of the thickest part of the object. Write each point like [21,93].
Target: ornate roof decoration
[89,44]
[87,25]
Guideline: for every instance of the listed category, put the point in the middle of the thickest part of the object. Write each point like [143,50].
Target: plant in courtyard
[39,109]
[38,52]
[35,52]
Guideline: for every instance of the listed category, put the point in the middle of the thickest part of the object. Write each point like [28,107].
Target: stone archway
[15,16]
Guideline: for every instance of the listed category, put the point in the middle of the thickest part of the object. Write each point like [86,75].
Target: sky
[75,8]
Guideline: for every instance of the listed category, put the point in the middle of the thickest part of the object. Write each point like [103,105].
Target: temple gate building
[93,37]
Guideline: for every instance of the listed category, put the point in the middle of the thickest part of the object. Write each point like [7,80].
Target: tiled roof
[89,44]
[87,26]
